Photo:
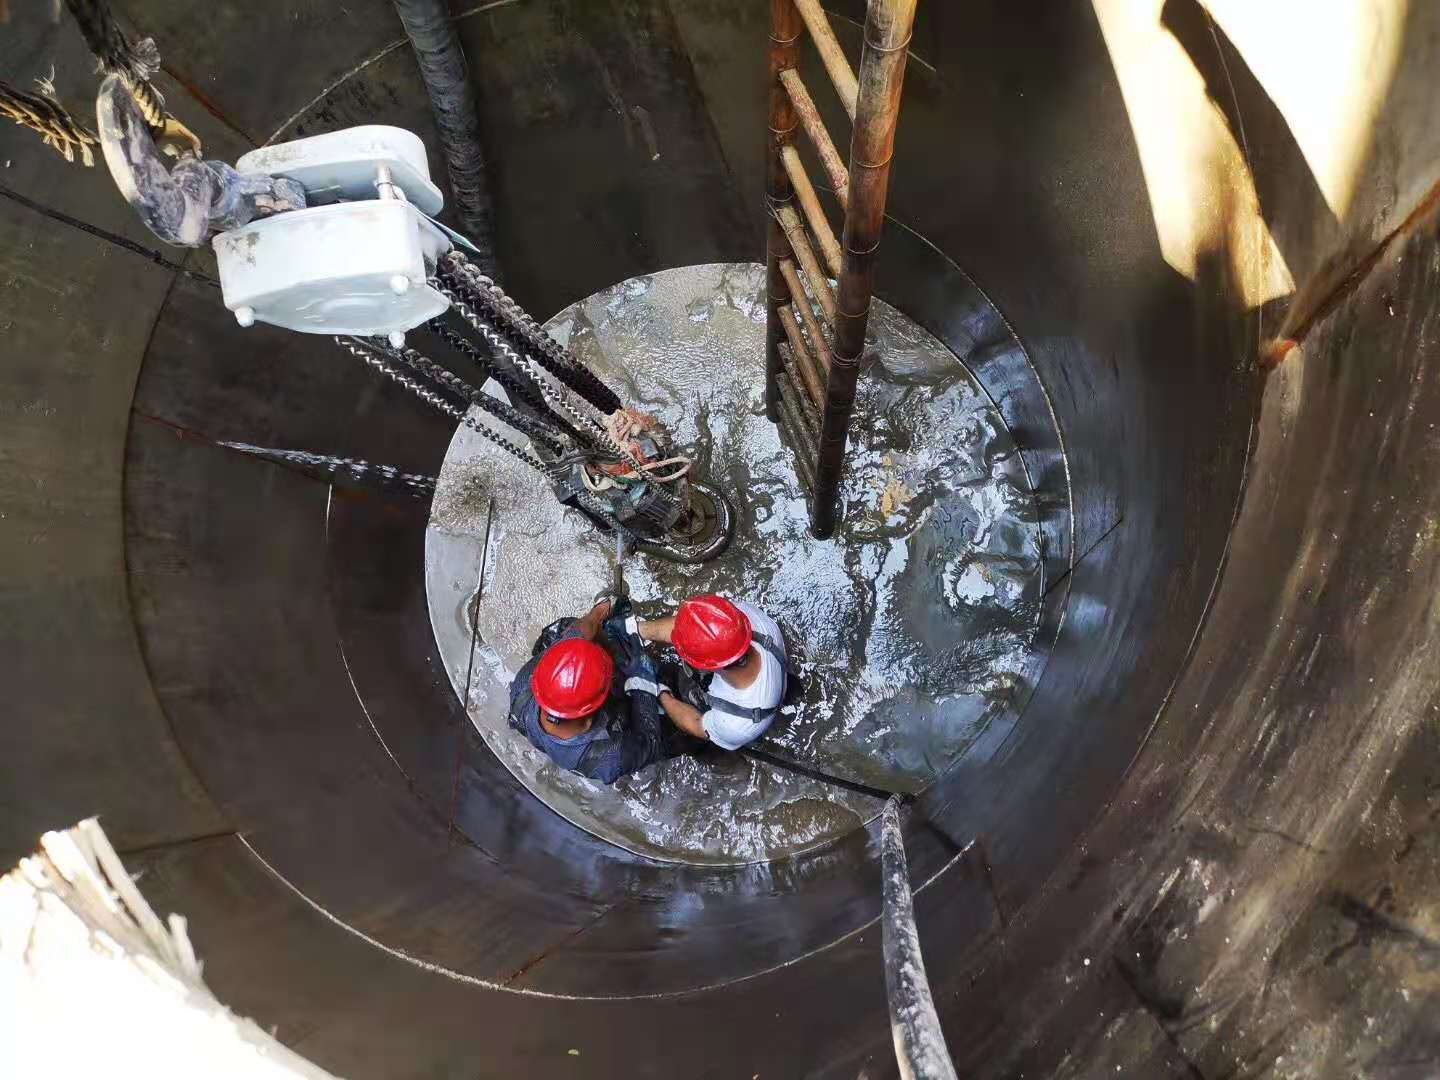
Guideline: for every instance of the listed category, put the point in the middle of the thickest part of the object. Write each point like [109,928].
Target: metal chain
[508,380]
[523,363]
[459,271]
[554,441]
[553,397]
[515,322]
[430,397]
[565,488]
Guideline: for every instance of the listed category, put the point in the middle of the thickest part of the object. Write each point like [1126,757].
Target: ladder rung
[805,451]
[807,313]
[800,354]
[809,416]
[810,204]
[805,255]
[830,52]
[815,128]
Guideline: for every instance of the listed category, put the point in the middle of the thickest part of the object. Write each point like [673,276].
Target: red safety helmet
[710,632]
[573,678]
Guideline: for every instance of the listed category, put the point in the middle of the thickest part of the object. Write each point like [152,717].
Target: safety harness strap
[754,715]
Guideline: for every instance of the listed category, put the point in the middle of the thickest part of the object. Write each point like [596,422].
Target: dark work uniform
[628,733]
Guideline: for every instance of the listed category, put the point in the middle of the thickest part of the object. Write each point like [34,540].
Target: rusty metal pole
[785,31]
[882,74]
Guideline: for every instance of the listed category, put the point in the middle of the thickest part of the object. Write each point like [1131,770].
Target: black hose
[452,99]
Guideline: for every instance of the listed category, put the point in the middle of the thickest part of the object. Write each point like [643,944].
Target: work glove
[629,649]
[642,676]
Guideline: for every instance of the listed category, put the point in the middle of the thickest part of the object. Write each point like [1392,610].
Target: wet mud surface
[912,628]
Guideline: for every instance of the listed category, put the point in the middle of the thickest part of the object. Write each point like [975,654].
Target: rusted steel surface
[777,293]
[794,233]
[833,57]
[812,325]
[882,76]
[814,127]
[814,212]
[785,31]
[800,354]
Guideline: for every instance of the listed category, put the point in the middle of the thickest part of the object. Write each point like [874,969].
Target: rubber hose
[452,99]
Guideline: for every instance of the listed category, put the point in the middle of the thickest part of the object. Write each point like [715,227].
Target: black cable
[824,777]
[50,120]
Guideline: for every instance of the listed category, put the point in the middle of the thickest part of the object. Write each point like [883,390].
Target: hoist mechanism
[335,234]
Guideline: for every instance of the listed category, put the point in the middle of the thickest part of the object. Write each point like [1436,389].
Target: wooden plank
[831,55]
[810,205]
[809,415]
[815,128]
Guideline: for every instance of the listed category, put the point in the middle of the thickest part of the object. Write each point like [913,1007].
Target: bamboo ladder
[812,358]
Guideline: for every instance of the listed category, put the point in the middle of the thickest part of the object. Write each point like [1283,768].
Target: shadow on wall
[1231,129]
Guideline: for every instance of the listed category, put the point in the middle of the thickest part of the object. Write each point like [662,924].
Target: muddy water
[912,626]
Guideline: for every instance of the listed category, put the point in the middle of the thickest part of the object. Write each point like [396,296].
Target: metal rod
[872,145]
[473,615]
[920,1048]
[807,314]
[799,243]
[830,52]
[800,356]
[814,213]
[785,31]
[815,128]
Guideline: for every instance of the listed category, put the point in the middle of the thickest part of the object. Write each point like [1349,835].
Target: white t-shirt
[766,692]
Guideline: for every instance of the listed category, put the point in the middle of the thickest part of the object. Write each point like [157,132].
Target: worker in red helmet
[588,697]
[738,652]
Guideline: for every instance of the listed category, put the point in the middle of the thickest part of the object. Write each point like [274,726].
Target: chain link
[523,363]
[565,487]
[555,398]
[430,397]
[554,441]
[511,382]
[516,323]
